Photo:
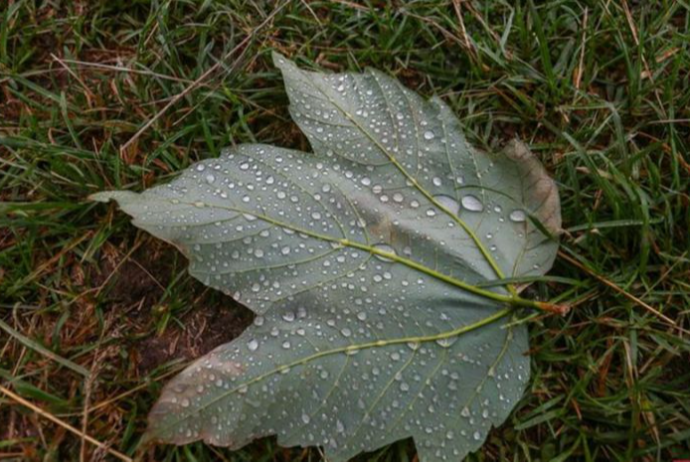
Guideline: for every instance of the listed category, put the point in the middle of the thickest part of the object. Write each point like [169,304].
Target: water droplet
[346,332]
[472,204]
[305,418]
[446,342]
[414,346]
[429,135]
[253,345]
[210,178]
[448,203]
[384,248]
[437,181]
[477,435]
[518,216]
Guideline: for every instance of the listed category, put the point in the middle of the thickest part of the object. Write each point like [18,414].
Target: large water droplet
[518,216]
[472,203]
[429,135]
[448,203]
[446,342]
[253,345]
[384,248]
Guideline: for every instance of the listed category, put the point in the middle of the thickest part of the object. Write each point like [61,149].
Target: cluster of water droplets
[294,370]
[353,347]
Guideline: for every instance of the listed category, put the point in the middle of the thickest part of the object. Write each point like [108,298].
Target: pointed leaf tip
[280,61]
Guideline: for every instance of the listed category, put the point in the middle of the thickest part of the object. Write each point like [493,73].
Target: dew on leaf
[472,203]
[518,216]
[448,203]
[386,249]
[253,345]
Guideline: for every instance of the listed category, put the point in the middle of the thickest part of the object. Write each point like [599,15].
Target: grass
[97,315]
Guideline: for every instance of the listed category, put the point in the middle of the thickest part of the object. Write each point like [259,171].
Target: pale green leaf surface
[361,261]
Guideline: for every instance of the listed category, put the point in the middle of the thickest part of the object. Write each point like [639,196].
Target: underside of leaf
[372,266]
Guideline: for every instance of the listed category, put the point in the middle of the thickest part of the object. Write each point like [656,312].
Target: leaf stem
[513,299]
